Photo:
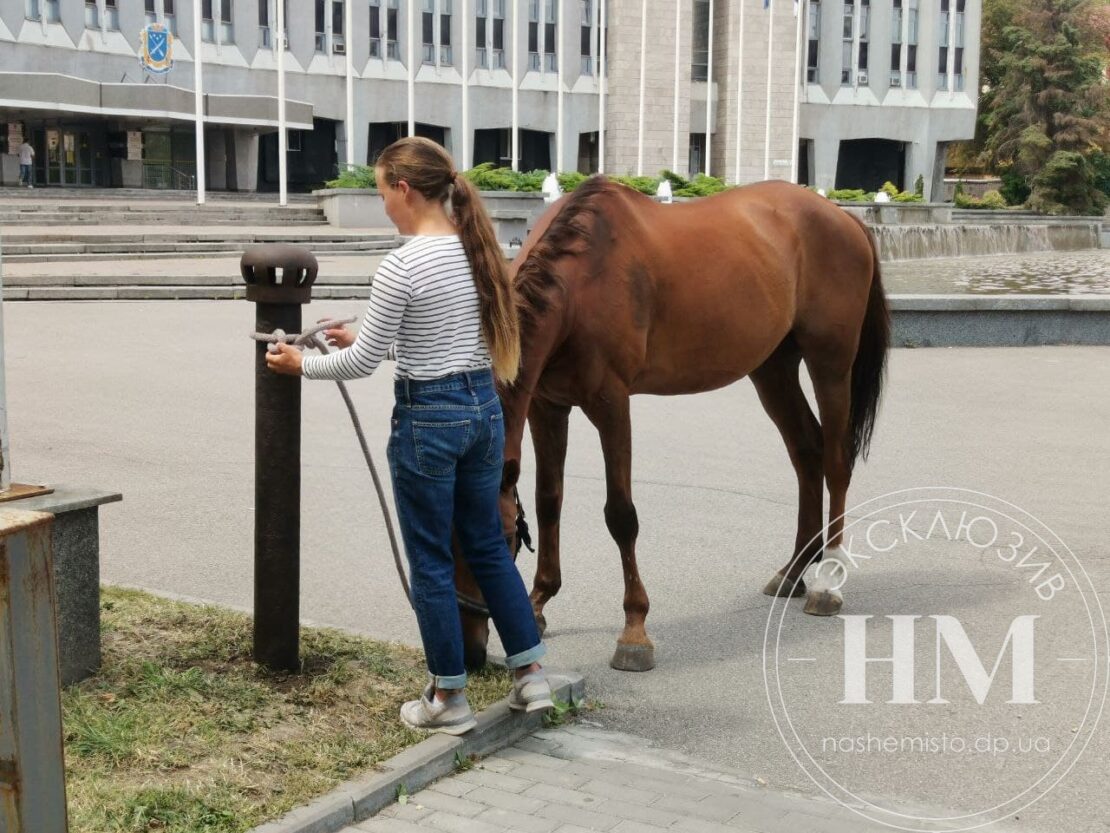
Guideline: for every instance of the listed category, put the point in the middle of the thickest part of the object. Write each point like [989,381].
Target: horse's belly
[698,379]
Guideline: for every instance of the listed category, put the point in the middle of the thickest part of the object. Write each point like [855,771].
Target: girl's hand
[284,359]
[338,336]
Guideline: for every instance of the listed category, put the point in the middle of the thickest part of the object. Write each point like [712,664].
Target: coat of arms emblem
[156,48]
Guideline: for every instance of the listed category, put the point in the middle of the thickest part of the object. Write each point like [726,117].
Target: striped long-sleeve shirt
[424,304]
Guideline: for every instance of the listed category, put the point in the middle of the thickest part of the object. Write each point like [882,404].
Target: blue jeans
[445,453]
[26,175]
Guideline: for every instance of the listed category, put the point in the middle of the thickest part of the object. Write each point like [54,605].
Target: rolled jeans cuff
[455,681]
[526,657]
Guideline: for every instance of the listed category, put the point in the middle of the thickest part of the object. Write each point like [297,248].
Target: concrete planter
[513,213]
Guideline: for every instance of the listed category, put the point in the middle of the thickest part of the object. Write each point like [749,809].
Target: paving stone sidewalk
[580,777]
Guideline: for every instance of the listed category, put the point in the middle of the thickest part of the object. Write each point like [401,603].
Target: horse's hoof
[541,624]
[823,603]
[780,585]
[629,657]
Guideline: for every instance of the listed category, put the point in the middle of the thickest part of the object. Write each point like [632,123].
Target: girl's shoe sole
[460,729]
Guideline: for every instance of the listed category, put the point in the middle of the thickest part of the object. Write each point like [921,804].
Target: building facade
[848,95]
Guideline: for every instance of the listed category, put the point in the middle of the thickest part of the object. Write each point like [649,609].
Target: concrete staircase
[109,246]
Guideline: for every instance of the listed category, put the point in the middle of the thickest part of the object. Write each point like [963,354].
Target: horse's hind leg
[609,413]
[776,382]
[832,385]
[548,424]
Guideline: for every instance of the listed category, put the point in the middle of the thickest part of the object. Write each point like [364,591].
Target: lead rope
[311,337]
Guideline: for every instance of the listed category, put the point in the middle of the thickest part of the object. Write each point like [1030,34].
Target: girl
[444,301]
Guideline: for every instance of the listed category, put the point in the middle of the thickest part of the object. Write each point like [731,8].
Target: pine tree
[1047,108]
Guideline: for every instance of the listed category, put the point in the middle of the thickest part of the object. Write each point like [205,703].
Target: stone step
[165,293]
[153,280]
[161,194]
[104,219]
[203,250]
[64,242]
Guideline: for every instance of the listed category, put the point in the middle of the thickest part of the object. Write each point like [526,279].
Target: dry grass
[181,732]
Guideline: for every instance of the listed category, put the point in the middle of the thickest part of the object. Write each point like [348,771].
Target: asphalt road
[155,400]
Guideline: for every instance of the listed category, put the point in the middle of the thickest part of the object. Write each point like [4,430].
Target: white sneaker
[531,693]
[451,716]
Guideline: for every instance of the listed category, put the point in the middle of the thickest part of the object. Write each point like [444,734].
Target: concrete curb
[418,766]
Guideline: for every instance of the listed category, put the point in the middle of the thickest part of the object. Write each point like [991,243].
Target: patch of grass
[181,732]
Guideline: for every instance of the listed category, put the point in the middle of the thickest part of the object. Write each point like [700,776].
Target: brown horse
[620,295]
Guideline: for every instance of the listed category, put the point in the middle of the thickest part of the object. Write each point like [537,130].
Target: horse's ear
[510,474]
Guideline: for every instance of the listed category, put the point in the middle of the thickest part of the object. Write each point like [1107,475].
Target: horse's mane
[536,274]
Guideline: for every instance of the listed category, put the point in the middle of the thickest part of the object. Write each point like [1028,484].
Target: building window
[227,28]
[942,52]
[338,43]
[321,22]
[533,34]
[813,43]
[168,16]
[864,33]
[429,26]
[700,69]
[293,140]
[958,67]
[53,11]
[264,24]
[896,45]
[481,33]
[697,153]
[92,15]
[911,47]
[587,67]
[445,56]
[499,34]
[150,12]
[551,34]
[375,28]
[847,36]
[33,12]
[392,47]
[207,26]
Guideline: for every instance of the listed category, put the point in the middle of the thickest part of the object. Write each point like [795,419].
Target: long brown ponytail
[428,169]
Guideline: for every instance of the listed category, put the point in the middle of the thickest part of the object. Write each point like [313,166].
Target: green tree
[1047,109]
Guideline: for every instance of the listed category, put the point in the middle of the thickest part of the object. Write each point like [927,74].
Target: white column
[465,162]
[198,95]
[643,88]
[709,98]
[515,138]
[767,116]
[799,70]
[602,84]
[740,97]
[348,43]
[411,26]
[283,138]
[5,449]
[560,55]
[677,58]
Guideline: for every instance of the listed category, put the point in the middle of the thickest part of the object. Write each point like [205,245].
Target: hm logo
[951,634]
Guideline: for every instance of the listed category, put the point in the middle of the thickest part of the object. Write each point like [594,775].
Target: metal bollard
[277,453]
[32,773]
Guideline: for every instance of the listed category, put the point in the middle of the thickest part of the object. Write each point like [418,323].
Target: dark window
[263,12]
[480,32]
[167,5]
[911,58]
[895,56]
[959,60]
[391,24]
[863,54]
[700,70]
[206,9]
[149,5]
[445,30]
[533,37]
[549,38]
[499,33]
[319,15]
[337,18]
[225,11]
[375,22]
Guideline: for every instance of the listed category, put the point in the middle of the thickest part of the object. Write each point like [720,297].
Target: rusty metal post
[32,772]
[277,453]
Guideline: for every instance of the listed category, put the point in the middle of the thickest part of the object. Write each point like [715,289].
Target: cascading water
[911,242]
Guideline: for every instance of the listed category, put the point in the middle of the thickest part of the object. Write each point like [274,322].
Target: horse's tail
[869,367]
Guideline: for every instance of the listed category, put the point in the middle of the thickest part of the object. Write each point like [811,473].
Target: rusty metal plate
[22,490]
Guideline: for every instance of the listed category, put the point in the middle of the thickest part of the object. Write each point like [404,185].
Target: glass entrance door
[68,156]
